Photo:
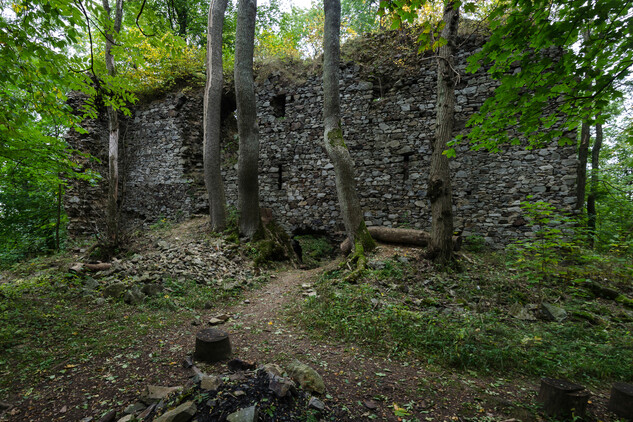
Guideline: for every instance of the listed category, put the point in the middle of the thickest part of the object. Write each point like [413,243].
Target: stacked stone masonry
[388,131]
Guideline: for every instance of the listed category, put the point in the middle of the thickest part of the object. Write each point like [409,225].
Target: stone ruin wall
[388,126]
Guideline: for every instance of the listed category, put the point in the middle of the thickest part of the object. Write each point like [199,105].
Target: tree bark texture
[112,28]
[333,135]
[593,187]
[247,177]
[439,188]
[581,172]
[212,161]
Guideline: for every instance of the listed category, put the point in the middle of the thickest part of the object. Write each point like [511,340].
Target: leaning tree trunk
[212,111]
[333,135]
[593,187]
[112,28]
[439,189]
[581,172]
[247,177]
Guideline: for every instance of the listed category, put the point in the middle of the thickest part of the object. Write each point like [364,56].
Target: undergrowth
[403,308]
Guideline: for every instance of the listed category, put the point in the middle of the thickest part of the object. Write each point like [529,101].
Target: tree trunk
[333,135]
[247,177]
[112,28]
[593,188]
[581,172]
[59,216]
[212,112]
[439,189]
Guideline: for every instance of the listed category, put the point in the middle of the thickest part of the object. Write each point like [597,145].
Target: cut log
[79,267]
[212,345]
[621,401]
[563,399]
[409,237]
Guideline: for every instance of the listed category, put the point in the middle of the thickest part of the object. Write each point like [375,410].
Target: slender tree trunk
[212,111]
[247,177]
[439,189]
[112,28]
[593,188]
[333,135]
[59,216]
[581,172]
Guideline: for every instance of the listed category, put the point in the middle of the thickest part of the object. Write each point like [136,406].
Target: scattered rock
[215,321]
[134,408]
[183,413]
[272,369]
[187,362]
[281,386]
[151,289]
[316,404]
[521,312]
[127,418]
[241,365]
[307,377]
[370,404]
[109,416]
[134,296]
[248,414]
[156,393]
[210,382]
[115,290]
[553,313]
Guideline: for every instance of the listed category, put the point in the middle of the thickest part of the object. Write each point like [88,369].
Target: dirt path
[366,384]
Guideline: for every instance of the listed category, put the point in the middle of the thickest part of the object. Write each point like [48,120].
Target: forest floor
[68,355]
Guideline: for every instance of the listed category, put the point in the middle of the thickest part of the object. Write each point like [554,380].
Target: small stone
[156,393]
[109,416]
[247,301]
[272,370]
[115,290]
[307,377]
[215,321]
[239,393]
[126,418]
[187,362]
[183,413]
[134,297]
[241,365]
[281,386]
[553,313]
[370,404]
[248,414]
[134,408]
[317,404]
[210,382]
[223,317]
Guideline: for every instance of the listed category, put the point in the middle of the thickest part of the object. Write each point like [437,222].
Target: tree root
[358,261]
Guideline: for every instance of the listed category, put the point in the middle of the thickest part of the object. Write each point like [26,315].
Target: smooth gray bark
[212,111]
[593,187]
[333,134]
[439,189]
[112,28]
[247,174]
[581,171]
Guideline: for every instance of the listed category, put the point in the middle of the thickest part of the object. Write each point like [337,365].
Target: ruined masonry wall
[388,133]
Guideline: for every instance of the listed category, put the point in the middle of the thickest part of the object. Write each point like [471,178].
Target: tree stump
[621,401]
[212,345]
[563,399]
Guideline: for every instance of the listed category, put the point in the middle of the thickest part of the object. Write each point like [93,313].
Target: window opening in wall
[278,104]
[405,165]
[279,176]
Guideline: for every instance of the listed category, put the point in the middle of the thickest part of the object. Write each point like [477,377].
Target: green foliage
[554,235]
[558,65]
